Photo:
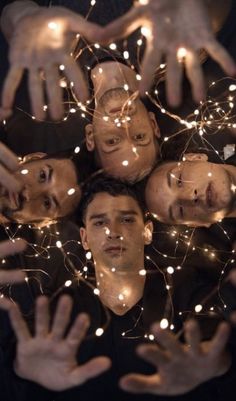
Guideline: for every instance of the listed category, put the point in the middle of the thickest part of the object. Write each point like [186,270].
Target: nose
[191,197]
[113,231]
[24,194]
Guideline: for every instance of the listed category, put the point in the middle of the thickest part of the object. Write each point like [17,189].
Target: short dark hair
[112,186]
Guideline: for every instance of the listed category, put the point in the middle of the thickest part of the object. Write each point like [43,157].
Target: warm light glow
[181,53]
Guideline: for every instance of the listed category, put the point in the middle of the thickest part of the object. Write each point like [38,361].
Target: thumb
[89,30]
[93,368]
[122,26]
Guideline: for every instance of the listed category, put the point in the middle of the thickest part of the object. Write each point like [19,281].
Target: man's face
[124,136]
[115,232]
[49,191]
[196,193]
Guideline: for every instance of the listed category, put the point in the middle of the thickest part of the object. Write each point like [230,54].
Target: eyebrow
[168,176]
[50,173]
[121,212]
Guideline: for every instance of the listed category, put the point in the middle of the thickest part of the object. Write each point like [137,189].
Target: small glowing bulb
[77,149]
[145,31]
[164,324]
[52,25]
[142,272]
[233,187]
[100,70]
[126,87]
[93,2]
[181,53]
[126,55]
[125,163]
[96,291]
[139,42]
[170,270]
[68,283]
[209,174]
[59,244]
[97,45]
[61,67]
[71,191]
[24,171]
[121,297]
[88,255]
[72,110]
[232,88]
[112,46]
[151,337]
[198,308]
[138,77]
[99,332]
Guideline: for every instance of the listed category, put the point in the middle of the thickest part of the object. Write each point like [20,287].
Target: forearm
[13,12]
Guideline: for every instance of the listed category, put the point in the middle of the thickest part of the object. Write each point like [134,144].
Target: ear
[84,240]
[33,156]
[155,127]
[148,230]
[192,157]
[89,136]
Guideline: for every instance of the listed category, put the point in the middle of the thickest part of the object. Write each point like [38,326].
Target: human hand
[8,248]
[176,29]
[180,368]
[40,43]
[9,163]
[49,358]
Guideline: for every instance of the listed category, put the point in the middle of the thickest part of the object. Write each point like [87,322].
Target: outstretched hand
[176,29]
[180,368]
[40,43]
[49,358]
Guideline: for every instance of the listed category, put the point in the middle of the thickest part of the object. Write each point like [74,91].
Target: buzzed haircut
[103,183]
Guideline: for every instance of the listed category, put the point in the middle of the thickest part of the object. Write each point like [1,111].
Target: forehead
[188,166]
[104,203]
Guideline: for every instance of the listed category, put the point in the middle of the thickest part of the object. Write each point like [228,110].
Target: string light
[210,117]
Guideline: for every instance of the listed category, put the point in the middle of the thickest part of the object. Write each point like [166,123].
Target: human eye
[47,202]
[112,141]
[139,137]
[128,219]
[99,223]
[42,175]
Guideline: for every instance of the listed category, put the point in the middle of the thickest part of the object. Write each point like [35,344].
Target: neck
[111,75]
[119,290]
